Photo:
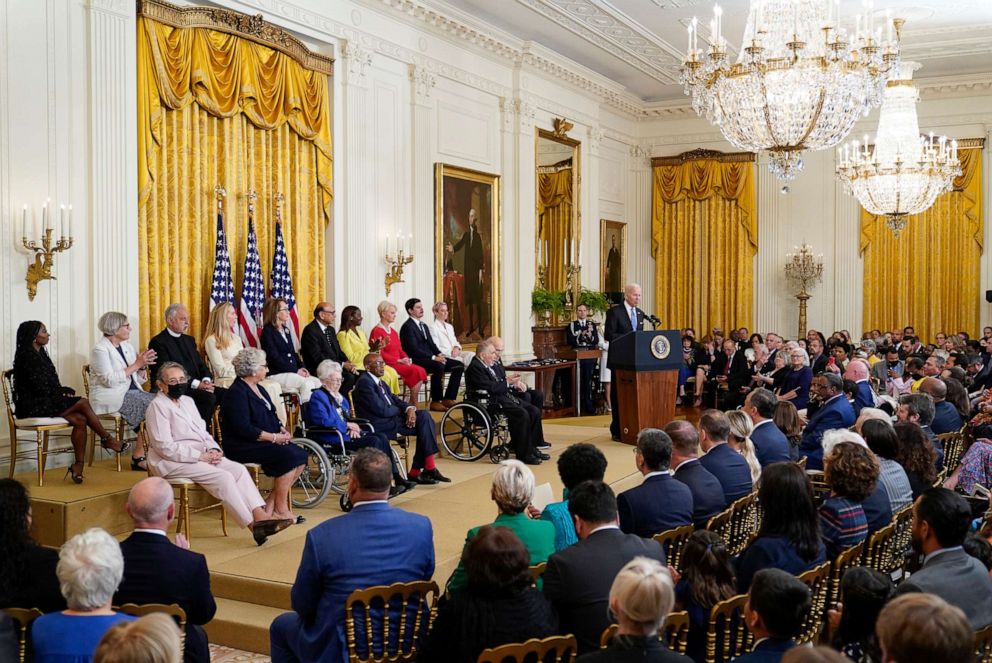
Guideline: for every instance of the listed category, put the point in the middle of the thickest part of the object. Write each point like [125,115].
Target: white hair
[834,437]
[513,486]
[90,569]
[172,309]
[248,361]
[110,322]
[328,368]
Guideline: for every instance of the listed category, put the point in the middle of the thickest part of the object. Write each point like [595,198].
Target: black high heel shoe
[70,471]
[123,446]
[136,463]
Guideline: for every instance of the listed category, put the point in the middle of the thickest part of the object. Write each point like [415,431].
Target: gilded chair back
[744,522]
[880,551]
[818,580]
[844,561]
[674,633]
[557,648]
[41,432]
[171,609]
[673,540]
[22,618]
[983,645]
[953,444]
[802,463]
[536,571]
[407,611]
[722,524]
[727,635]
[821,489]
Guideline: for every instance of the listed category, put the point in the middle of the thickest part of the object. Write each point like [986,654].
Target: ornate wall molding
[254,28]
[423,81]
[359,61]
[695,155]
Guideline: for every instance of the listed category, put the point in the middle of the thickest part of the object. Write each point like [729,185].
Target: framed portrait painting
[612,255]
[466,250]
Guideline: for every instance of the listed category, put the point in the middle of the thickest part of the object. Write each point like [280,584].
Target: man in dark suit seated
[391,415]
[941,519]
[174,344]
[730,368]
[661,502]
[946,418]
[523,422]
[158,571]
[727,465]
[707,493]
[919,409]
[531,400]
[374,544]
[864,396]
[620,320]
[835,412]
[776,606]
[319,341]
[416,340]
[770,443]
[577,580]
[581,334]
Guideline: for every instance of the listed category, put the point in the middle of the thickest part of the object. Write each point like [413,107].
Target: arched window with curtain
[247,111]
[704,235]
[928,276]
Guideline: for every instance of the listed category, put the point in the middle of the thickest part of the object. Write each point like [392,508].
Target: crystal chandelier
[903,173]
[800,81]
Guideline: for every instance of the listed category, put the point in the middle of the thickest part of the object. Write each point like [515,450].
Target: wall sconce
[44,255]
[396,263]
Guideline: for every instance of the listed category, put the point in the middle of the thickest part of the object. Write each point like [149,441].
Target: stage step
[251,590]
[242,625]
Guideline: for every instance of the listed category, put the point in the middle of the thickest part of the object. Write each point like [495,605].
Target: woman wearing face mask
[179,447]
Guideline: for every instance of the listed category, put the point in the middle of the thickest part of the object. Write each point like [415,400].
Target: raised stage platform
[251,583]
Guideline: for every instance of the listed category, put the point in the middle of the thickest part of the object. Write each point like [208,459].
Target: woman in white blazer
[116,375]
[444,335]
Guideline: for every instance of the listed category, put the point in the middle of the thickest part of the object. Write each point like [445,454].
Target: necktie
[385,394]
[423,328]
[633,319]
[329,335]
[726,368]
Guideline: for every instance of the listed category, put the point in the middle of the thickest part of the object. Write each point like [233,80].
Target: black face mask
[177,391]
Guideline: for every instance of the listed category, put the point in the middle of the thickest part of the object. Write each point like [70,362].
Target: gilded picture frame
[612,255]
[467,207]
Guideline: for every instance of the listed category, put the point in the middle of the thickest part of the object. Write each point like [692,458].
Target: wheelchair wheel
[317,477]
[465,431]
[340,467]
[498,453]
[345,504]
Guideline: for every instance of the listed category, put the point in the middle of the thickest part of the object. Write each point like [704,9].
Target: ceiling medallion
[903,172]
[800,82]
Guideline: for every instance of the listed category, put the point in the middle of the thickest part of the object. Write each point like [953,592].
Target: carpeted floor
[221,654]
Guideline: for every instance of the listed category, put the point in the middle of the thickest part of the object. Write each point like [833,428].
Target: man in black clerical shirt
[173,344]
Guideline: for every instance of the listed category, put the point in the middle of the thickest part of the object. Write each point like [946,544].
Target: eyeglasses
[282,310]
[176,381]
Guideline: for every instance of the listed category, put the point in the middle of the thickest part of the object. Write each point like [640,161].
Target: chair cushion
[28,422]
[180,481]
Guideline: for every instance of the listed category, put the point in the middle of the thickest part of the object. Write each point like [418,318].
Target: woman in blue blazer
[328,408]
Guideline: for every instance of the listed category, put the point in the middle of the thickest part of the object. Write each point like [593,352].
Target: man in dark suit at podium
[319,341]
[620,320]
[173,344]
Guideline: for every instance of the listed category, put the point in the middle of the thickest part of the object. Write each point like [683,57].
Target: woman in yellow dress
[355,344]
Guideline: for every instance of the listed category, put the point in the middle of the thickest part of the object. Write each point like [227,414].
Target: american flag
[252,292]
[282,283]
[222,287]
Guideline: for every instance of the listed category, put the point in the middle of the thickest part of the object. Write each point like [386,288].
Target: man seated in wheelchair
[329,410]
[524,422]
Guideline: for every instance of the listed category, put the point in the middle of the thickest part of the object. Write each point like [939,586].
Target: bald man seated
[946,418]
[857,372]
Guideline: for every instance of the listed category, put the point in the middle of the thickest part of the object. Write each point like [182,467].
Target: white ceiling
[640,43]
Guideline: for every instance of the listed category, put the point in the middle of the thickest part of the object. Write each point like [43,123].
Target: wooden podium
[645,366]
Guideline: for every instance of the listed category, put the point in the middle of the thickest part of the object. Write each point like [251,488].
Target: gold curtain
[703,239]
[554,213]
[928,276]
[214,108]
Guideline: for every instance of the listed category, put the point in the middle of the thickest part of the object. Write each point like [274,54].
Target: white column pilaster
[589,210]
[520,222]
[422,148]
[640,263]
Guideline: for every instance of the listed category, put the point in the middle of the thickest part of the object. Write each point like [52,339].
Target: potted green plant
[544,303]
[594,300]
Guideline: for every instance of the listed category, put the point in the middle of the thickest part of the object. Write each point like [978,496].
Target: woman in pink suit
[392,352]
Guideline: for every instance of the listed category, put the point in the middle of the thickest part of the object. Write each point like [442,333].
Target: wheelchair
[474,427]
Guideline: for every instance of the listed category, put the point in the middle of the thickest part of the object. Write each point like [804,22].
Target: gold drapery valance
[554,212]
[226,75]
[704,237]
[928,276]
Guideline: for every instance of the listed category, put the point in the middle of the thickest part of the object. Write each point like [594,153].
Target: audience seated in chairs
[174,344]
[834,412]
[851,623]
[786,419]
[923,628]
[739,440]
[730,369]
[796,380]
[579,462]
[881,439]
[857,372]
[660,503]
[39,393]
[150,639]
[578,579]
[851,472]
[498,605]
[388,341]
[221,344]
[707,493]
[328,408]
[179,447]
[789,535]
[356,345]
[319,342]
[641,597]
[392,416]
[89,570]
[777,604]
[770,443]
[116,375]
[940,523]
[523,419]
[707,578]
[919,409]
[374,544]
[728,466]
[27,570]
[916,455]
[285,365]
[512,491]
[158,571]
[418,343]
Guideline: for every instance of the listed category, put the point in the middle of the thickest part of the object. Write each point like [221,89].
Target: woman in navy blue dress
[254,434]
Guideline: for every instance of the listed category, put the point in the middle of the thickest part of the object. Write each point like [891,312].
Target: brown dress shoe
[261,530]
[438,407]
[449,403]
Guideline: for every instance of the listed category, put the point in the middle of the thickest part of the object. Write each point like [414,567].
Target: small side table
[544,379]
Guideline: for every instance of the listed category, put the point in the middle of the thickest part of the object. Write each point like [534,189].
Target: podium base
[646,400]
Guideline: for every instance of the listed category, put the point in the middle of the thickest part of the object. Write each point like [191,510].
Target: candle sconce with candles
[396,263]
[803,270]
[44,253]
